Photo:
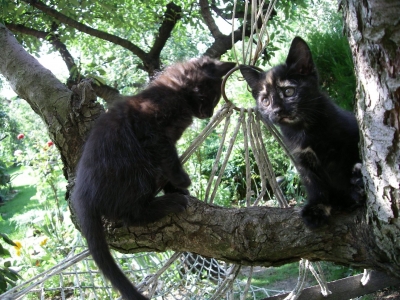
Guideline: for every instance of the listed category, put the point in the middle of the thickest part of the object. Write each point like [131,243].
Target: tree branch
[151,60]
[86,29]
[106,92]
[48,36]
[49,98]
[209,20]
[172,15]
[345,288]
[259,236]
[222,43]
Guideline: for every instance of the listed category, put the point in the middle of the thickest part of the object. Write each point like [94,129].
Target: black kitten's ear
[299,59]
[251,74]
[214,67]
[222,68]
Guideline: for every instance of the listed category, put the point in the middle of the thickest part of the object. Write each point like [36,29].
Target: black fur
[130,153]
[322,137]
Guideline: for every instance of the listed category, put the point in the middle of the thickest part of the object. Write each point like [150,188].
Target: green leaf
[5,253]
[20,10]
[98,79]
[7,240]
[102,72]
[3,285]
[75,3]
[12,275]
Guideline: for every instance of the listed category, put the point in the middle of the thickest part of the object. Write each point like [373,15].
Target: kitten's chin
[290,120]
[285,120]
[204,114]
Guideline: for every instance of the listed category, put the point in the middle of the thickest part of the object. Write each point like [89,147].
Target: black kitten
[322,137]
[130,153]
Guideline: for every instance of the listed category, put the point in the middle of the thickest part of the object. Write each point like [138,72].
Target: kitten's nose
[277,111]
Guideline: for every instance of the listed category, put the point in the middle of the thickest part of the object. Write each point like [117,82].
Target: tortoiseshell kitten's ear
[252,75]
[299,60]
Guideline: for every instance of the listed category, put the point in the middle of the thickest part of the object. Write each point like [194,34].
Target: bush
[332,55]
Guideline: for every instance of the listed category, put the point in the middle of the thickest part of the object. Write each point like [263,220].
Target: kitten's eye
[288,92]
[265,101]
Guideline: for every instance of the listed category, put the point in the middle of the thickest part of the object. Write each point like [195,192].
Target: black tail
[92,229]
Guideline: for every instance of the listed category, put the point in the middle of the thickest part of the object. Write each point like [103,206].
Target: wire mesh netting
[189,276]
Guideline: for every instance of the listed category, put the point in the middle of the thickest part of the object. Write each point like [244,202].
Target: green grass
[21,207]
[276,274]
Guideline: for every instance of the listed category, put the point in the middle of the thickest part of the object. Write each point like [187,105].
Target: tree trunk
[373,28]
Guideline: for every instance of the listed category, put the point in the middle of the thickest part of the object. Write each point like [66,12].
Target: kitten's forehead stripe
[269,78]
[284,83]
[264,89]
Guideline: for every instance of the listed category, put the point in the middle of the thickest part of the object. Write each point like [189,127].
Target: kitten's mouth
[279,119]
[286,119]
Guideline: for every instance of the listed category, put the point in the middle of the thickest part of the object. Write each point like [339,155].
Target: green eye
[288,91]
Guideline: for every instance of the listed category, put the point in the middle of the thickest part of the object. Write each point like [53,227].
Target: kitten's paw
[162,206]
[175,203]
[315,216]
[357,192]
[169,188]
[181,180]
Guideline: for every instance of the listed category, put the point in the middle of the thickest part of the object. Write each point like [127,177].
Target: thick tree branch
[49,98]
[209,20]
[109,94]
[259,236]
[172,15]
[48,36]
[222,42]
[239,14]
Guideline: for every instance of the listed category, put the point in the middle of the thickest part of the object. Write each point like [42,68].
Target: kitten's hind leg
[315,215]
[162,206]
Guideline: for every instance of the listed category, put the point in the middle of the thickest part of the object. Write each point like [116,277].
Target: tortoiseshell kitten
[131,152]
[322,137]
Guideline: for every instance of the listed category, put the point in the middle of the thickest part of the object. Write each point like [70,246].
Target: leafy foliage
[331,53]
[8,277]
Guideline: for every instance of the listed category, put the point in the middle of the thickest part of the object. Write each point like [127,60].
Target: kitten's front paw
[315,216]
[169,188]
[175,203]
[181,180]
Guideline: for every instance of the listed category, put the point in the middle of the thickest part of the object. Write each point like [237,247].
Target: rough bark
[373,28]
[49,36]
[259,236]
[67,115]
